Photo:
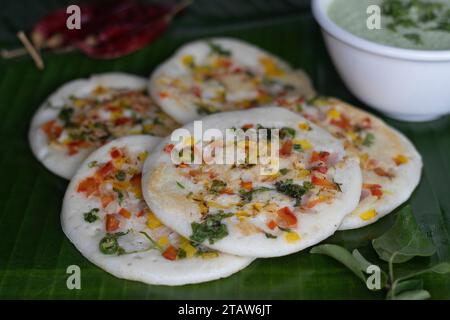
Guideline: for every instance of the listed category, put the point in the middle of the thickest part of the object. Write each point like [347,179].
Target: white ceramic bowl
[410,85]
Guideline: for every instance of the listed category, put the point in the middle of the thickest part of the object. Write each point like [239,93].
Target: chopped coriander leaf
[92,164]
[211,228]
[269,236]
[120,195]
[247,196]
[369,139]
[295,191]
[91,216]
[218,49]
[110,245]
[121,175]
[217,186]
[287,132]
[180,185]
[181,253]
[297,147]
[284,171]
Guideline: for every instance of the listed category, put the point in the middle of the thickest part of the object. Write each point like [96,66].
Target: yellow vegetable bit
[304,126]
[363,157]
[303,173]
[305,144]
[369,214]
[99,90]
[270,67]
[188,60]
[400,159]
[152,221]
[148,127]
[334,114]
[257,206]
[163,241]
[142,156]
[292,237]
[80,103]
[209,255]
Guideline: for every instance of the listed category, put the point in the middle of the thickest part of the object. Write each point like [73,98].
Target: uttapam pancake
[106,218]
[222,74]
[84,114]
[390,164]
[237,208]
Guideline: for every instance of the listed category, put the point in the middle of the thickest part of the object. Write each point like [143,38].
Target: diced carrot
[140,213]
[322,182]
[247,126]
[248,185]
[74,146]
[271,224]
[226,191]
[168,148]
[106,200]
[375,189]
[170,253]
[195,172]
[125,213]
[287,217]
[183,165]
[89,186]
[112,223]
[105,169]
[286,148]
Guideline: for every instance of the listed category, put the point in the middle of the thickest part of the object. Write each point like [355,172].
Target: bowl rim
[319,9]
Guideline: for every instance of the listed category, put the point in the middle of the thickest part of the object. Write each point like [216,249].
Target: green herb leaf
[408,285]
[211,228]
[413,295]
[247,196]
[180,185]
[343,256]
[404,240]
[287,132]
[296,191]
[121,175]
[91,216]
[218,49]
[369,139]
[217,186]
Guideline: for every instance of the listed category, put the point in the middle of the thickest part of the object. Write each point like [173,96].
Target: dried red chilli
[107,31]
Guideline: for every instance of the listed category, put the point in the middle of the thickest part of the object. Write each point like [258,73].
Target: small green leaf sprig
[401,243]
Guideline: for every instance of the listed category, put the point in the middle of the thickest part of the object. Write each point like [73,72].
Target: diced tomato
[197,91]
[163,94]
[122,121]
[105,169]
[89,186]
[125,213]
[366,123]
[74,146]
[224,62]
[382,173]
[375,189]
[321,169]
[247,126]
[168,148]
[286,148]
[248,185]
[183,165]
[319,156]
[170,253]
[136,180]
[343,123]
[322,182]
[115,153]
[287,217]
[52,130]
[271,224]
[112,223]
[106,200]
[140,213]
